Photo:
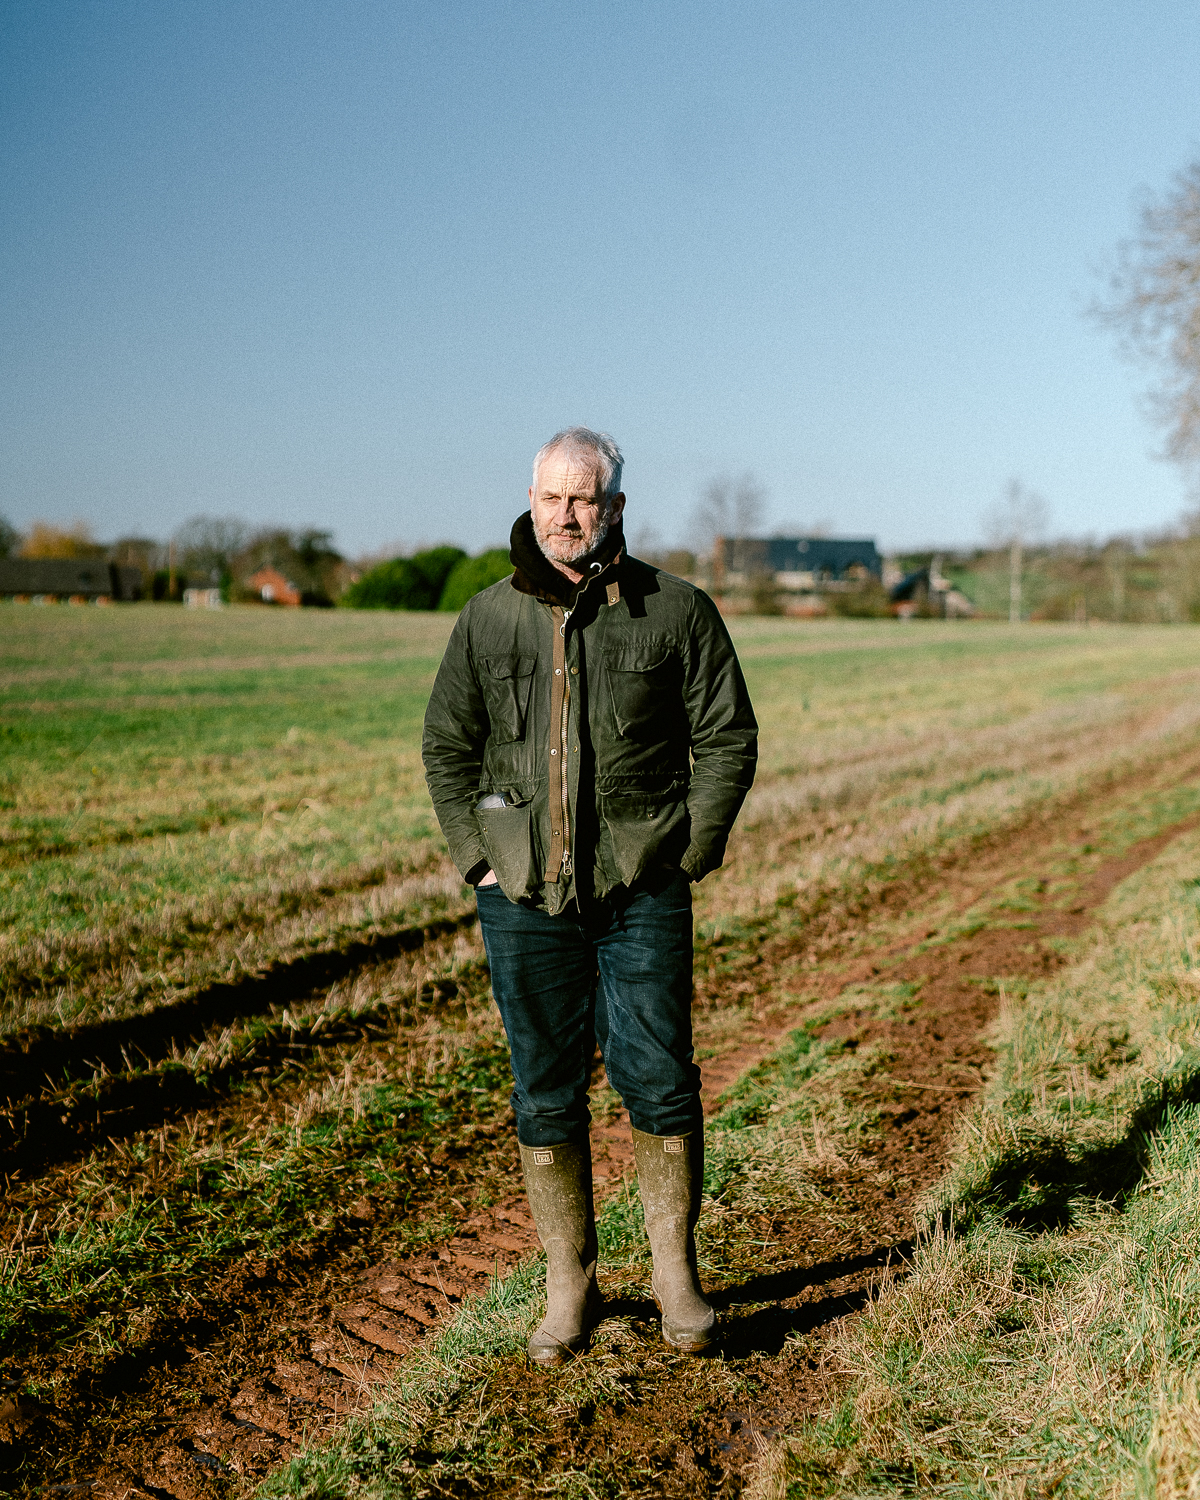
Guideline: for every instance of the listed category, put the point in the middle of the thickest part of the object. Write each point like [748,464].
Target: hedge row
[441,578]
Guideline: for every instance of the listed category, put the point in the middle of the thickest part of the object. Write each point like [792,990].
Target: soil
[283,1352]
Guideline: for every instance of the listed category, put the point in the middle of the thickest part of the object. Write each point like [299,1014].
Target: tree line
[218,552]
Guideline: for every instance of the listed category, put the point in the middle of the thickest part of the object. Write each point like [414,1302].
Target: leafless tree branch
[1154,305]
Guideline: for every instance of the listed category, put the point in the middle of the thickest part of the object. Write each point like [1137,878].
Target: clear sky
[348,264]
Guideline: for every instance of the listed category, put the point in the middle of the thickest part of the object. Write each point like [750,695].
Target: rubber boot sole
[705,1345]
[549,1355]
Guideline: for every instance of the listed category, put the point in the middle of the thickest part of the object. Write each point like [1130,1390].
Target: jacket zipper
[567,865]
[566,805]
[558,862]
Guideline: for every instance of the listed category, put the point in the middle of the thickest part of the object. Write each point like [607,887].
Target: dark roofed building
[823,558]
[925,591]
[68,578]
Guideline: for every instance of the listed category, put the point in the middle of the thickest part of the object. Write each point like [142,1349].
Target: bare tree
[1155,306]
[1013,522]
[729,507]
[729,510]
[207,545]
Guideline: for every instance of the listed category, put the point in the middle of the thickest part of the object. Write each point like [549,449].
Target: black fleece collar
[538,576]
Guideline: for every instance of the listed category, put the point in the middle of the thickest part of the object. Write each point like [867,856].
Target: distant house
[926,591]
[82,579]
[203,599]
[802,562]
[273,588]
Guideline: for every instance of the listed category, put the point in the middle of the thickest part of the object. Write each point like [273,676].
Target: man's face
[571,515]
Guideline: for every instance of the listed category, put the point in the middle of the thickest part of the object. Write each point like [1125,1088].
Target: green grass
[190,792]
[139,1237]
[1089,1064]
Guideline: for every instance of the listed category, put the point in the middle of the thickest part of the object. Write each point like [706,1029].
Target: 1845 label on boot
[673,1147]
[543,1158]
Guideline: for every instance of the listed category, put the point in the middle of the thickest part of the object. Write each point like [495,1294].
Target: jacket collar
[536,574]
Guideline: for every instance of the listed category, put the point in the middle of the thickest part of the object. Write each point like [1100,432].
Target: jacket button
[558,671]
[574,671]
[554,752]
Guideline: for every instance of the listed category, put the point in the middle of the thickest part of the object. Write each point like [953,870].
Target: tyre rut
[67,1054]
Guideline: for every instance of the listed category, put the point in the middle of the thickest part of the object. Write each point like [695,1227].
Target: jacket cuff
[472,860]
[694,863]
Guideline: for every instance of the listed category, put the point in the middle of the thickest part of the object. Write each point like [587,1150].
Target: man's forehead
[567,473]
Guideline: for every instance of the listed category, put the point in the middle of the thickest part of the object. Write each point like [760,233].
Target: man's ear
[618,505]
[531,497]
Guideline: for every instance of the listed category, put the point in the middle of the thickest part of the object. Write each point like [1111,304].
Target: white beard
[573,549]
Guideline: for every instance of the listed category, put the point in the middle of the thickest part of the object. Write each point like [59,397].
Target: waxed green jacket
[619,733]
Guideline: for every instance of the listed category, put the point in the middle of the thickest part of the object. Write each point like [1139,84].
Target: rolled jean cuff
[680,1120]
[543,1130]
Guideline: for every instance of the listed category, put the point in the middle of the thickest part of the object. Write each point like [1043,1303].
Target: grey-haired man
[588,744]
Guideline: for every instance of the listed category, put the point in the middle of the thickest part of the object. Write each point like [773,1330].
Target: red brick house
[273,588]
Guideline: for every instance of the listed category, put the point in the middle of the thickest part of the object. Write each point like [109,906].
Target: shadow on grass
[1034,1175]
[61,1054]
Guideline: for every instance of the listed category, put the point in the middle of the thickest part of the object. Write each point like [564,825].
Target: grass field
[188,796]
[242,997]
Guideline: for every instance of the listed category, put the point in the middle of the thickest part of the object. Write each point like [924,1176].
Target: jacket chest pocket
[507,682]
[643,688]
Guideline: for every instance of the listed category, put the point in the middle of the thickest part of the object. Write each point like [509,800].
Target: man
[588,744]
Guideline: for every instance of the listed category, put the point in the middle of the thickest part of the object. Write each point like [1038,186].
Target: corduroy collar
[536,574]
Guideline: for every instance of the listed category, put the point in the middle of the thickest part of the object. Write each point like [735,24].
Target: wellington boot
[558,1180]
[670,1174]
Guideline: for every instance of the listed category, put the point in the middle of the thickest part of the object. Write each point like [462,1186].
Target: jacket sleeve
[456,730]
[724,737]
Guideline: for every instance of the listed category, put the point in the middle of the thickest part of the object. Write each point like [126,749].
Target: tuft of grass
[458,1419]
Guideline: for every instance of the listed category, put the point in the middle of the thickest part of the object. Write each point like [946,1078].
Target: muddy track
[281,1352]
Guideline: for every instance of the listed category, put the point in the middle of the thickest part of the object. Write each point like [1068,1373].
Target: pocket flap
[641,656]
[508,666]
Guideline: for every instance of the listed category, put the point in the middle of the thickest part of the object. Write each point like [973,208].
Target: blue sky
[349,264]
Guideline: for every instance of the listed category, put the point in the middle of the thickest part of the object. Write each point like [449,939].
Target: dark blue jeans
[619,974]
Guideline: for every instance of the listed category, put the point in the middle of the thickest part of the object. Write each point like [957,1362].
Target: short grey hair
[600,451]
